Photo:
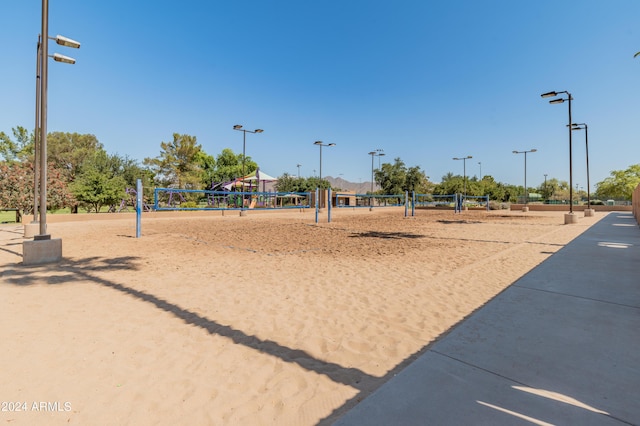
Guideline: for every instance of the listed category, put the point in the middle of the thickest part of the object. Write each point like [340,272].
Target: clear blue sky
[423,80]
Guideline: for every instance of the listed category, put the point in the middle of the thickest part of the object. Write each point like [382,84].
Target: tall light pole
[546,191]
[480,164]
[579,126]
[320,145]
[526,195]
[239,128]
[377,153]
[569,98]
[44,81]
[36,134]
[51,252]
[298,166]
[464,168]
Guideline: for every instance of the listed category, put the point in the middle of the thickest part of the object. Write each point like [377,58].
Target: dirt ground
[264,319]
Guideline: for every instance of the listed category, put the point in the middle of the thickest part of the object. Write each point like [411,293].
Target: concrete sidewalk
[561,346]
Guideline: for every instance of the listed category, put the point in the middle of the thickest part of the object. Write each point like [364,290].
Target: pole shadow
[81,270]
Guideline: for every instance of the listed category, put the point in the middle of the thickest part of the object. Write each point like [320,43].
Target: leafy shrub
[497,205]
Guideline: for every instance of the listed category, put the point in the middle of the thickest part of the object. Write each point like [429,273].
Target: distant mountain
[336,183]
[345,185]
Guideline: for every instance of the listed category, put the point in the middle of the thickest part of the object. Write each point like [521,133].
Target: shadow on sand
[69,271]
[85,269]
[386,235]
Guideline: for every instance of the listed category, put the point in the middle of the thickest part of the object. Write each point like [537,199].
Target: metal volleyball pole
[138,208]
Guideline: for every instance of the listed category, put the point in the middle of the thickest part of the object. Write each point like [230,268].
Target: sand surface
[257,320]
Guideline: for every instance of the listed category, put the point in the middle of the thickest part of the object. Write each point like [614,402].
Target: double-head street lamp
[581,126]
[41,107]
[569,98]
[464,168]
[63,41]
[377,153]
[239,128]
[526,194]
[320,144]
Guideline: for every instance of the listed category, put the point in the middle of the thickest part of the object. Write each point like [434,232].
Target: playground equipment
[241,192]
[131,200]
[250,181]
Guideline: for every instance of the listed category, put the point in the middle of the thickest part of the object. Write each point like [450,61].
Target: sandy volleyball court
[265,319]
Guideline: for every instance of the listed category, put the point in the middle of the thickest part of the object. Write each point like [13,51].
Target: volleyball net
[193,199]
[343,200]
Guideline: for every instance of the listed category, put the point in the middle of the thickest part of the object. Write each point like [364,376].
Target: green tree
[177,166]
[20,149]
[554,189]
[497,191]
[131,171]
[416,180]
[101,181]
[449,184]
[395,178]
[314,182]
[391,177]
[69,151]
[474,186]
[620,185]
[288,183]
[228,166]
[207,164]
[16,187]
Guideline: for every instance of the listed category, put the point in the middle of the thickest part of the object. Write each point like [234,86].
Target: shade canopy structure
[260,176]
[250,180]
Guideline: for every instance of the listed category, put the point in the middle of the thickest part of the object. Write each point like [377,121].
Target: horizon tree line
[82,174]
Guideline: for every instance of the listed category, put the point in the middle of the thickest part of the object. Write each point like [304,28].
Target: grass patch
[7,217]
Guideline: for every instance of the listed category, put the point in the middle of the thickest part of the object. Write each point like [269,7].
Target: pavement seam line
[575,296]
[514,381]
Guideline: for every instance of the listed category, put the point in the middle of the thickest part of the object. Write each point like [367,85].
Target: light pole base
[525,209]
[38,252]
[589,212]
[31,229]
[243,213]
[570,218]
